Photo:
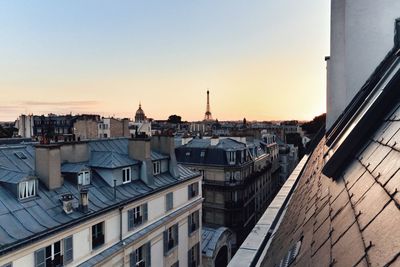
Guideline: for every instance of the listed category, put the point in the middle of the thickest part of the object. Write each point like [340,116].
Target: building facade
[238,181]
[114,202]
[361,36]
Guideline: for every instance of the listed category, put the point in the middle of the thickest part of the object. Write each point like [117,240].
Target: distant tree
[175,119]
[7,132]
[312,127]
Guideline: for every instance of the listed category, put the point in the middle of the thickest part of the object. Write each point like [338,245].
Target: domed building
[140,116]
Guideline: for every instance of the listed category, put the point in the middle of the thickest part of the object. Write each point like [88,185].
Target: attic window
[187,153]
[84,178]
[156,167]
[202,154]
[20,155]
[27,189]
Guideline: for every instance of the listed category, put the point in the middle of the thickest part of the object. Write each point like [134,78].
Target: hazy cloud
[60,103]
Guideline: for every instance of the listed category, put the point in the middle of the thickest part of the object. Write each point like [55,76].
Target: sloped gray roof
[43,215]
[73,167]
[110,160]
[158,156]
[12,177]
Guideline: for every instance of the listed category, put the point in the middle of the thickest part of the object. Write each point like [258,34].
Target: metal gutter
[256,242]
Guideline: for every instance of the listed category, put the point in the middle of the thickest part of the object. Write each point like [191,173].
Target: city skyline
[97,57]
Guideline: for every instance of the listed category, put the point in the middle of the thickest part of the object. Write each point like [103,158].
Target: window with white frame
[84,177]
[57,254]
[137,216]
[126,175]
[27,189]
[156,167]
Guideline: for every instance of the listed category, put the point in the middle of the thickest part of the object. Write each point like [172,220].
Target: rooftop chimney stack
[84,200]
[48,165]
[67,203]
[139,149]
[165,144]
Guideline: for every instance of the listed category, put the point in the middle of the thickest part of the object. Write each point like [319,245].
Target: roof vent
[291,255]
[67,203]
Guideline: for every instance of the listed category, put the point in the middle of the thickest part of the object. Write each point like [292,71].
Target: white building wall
[157,253]
[362,33]
[112,227]
[27,261]
[183,245]
[81,241]
[156,208]
[180,197]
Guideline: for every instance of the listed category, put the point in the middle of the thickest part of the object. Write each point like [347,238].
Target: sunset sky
[261,59]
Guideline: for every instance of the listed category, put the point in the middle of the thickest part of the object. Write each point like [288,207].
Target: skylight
[20,155]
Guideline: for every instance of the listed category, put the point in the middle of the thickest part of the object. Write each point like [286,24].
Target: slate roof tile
[384,233]
[349,249]
[371,204]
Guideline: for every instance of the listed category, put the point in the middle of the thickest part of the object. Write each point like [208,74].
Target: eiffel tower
[207,115]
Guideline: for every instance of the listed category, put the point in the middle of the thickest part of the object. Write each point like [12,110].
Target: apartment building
[111,202]
[239,181]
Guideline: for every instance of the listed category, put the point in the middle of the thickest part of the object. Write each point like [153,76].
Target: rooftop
[22,222]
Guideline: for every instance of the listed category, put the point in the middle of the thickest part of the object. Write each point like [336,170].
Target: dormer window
[27,189]
[231,157]
[84,178]
[126,175]
[156,167]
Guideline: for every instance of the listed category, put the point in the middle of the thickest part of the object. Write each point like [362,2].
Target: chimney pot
[84,200]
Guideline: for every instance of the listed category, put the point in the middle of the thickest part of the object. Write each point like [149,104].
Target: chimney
[84,200]
[75,152]
[165,144]
[139,149]
[214,140]
[48,165]
[67,203]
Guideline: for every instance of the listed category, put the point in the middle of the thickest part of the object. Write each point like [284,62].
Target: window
[156,167]
[231,157]
[194,256]
[170,238]
[137,216]
[202,154]
[27,189]
[97,235]
[54,254]
[7,265]
[169,201]
[193,222]
[126,175]
[20,155]
[141,257]
[84,178]
[176,264]
[193,190]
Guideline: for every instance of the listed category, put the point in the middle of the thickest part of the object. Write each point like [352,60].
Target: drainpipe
[120,223]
